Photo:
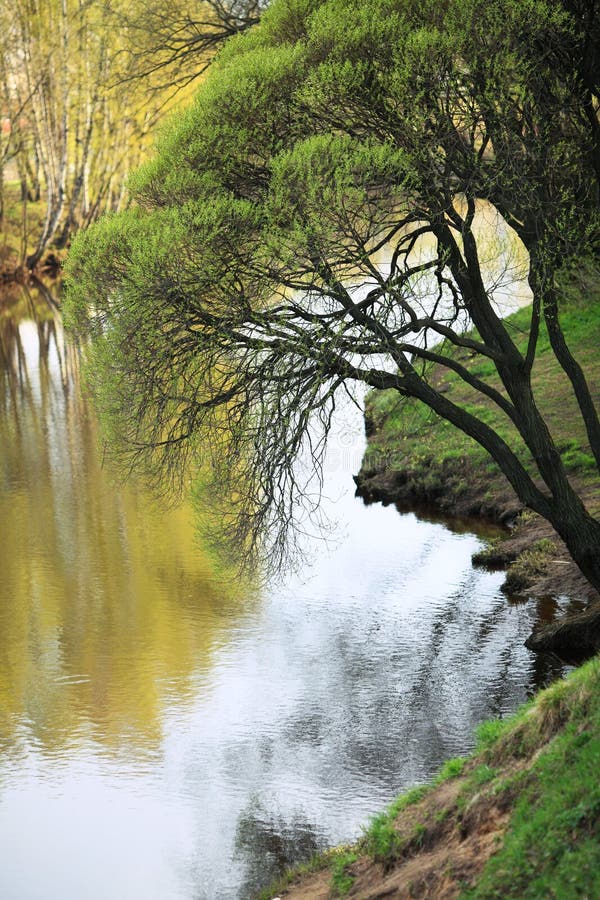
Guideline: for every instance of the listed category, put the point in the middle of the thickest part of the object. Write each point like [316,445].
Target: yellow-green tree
[85,85]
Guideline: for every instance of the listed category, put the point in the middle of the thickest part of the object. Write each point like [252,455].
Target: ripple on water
[166,734]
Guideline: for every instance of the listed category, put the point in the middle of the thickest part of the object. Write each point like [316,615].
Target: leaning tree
[243,290]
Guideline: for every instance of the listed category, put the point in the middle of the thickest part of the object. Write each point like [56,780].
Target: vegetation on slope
[519,818]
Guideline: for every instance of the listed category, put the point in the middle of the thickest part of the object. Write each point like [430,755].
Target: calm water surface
[169,735]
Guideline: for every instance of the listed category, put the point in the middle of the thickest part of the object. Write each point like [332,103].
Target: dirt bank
[443,848]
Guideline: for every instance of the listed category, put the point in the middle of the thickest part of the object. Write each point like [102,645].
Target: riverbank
[535,559]
[517,819]
[414,458]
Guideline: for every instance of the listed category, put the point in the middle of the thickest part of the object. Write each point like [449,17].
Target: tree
[242,293]
[177,42]
[84,84]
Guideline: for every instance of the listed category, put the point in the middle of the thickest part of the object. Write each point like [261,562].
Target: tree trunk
[581,534]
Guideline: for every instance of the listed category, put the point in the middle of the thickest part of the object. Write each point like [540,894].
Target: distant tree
[243,291]
[174,43]
[84,85]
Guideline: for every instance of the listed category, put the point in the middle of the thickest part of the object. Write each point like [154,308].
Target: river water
[170,734]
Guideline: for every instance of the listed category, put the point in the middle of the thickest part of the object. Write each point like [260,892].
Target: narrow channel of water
[166,735]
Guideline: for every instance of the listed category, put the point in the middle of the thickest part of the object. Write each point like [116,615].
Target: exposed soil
[453,491]
[455,840]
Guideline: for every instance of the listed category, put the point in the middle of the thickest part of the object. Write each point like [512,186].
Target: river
[168,733]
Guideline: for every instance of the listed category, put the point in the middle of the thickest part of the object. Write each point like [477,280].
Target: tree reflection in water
[108,605]
[268,844]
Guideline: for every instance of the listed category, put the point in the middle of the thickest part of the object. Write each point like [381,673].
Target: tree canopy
[244,288]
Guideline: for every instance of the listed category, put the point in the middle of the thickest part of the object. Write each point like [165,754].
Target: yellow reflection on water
[109,609]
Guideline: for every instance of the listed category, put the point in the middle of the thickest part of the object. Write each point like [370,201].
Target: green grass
[552,846]
[452,768]
[316,864]
[483,774]
[341,879]
[380,839]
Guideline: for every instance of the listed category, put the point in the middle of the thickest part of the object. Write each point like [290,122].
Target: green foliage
[316,864]
[452,768]
[488,733]
[483,774]
[576,460]
[244,286]
[341,879]
[382,840]
[410,798]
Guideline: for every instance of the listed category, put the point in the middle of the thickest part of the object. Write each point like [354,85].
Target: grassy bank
[413,456]
[519,818]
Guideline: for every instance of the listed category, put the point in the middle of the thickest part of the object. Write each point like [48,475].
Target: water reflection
[267,846]
[97,583]
[165,734]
